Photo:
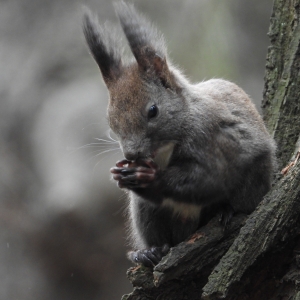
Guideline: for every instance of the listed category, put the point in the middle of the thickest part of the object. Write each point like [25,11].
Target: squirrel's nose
[132,155]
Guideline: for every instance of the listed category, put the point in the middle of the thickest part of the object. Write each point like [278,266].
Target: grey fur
[215,153]
[141,35]
[104,47]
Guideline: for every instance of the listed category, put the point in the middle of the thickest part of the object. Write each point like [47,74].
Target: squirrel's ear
[102,44]
[146,42]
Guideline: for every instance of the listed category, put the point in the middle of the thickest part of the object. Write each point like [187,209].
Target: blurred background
[62,233]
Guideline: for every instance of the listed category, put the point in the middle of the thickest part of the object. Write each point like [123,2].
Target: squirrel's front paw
[148,257]
[131,175]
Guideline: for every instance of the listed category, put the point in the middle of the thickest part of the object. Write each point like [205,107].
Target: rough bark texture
[190,262]
[282,80]
[262,260]
[275,221]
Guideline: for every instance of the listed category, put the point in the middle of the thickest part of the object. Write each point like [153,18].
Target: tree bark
[282,79]
[262,260]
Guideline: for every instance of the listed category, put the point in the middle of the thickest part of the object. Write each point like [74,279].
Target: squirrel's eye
[153,110]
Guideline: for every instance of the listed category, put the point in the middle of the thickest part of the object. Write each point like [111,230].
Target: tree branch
[200,252]
[276,219]
[281,102]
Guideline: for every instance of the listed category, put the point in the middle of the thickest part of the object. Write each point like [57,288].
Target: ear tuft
[145,41]
[102,44]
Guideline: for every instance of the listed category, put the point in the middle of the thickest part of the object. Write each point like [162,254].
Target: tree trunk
[262,259]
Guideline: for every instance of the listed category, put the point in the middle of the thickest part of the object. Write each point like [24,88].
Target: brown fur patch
[128,98]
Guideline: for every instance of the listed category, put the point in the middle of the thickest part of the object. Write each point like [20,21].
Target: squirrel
[191,150]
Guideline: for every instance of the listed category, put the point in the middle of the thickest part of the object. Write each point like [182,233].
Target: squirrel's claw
[149,257]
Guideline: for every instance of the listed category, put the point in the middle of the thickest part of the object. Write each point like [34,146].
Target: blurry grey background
[62,220]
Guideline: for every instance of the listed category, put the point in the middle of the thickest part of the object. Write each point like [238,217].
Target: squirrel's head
[146,106]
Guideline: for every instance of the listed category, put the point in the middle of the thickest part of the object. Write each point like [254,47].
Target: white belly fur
[163,155]
[181,209]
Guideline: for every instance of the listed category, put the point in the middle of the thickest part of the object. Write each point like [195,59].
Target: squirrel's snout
[132,156]
[135,147]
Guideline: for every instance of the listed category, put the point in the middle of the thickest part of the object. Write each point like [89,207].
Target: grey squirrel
[191,150]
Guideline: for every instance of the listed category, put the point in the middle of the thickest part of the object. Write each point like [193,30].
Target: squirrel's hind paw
[148,257]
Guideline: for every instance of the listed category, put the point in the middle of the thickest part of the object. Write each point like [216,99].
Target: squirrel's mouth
[162,155]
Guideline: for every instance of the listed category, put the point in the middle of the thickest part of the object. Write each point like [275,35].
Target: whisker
[105,151]
[96,153]
[106,141]
[95,166]
[92,145]
[86,161]
[109,136]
